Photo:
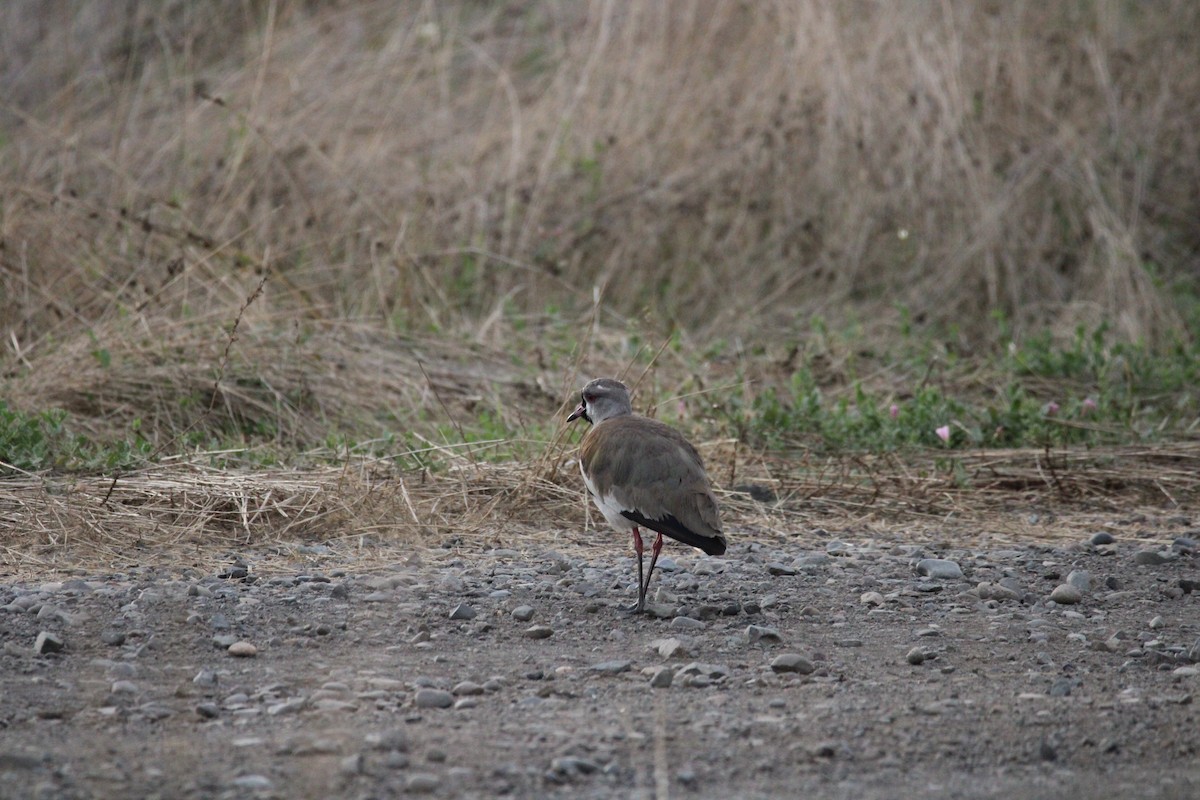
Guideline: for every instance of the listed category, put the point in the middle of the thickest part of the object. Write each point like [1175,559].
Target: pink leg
[639,548]
[654,551]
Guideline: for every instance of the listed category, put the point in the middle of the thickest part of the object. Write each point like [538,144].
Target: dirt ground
[818,666]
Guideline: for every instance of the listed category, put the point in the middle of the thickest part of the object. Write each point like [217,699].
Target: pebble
[1150,558]
[762,633]
[687,624]
[670,648]
[433,698]
[422,783]
[463,611]
[393,739]
[940,568]
[48,642]
[242,650]
[792,662]
[572,765]
[287,706]
[1081,579]
[662,677]
[994,591]
[254,783]
[915,656]
[660,610]
[522,613]
[539,632]
[871,599]
[611,667]
[1185,544]
[780,569]
[123,687]
[1066,594]
[466,688]
[1102,538]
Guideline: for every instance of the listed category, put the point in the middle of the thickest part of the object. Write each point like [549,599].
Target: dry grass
[722,166]
[182,511]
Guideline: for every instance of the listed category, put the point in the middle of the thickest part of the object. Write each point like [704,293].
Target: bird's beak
[581,411]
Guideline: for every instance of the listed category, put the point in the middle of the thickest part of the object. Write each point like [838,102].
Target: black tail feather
[669,526]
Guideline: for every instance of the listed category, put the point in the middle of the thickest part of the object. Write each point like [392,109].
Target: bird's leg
[654,551]
[638,548]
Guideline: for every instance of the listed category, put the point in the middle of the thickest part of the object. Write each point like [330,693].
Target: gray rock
[792,662]
[522,613]
[253,783]
[539,632]
[433,698]
[1066,594]
[1081,579]
[48,642]
[463,611]
[670,648]
[687,624]
[351,764]
[1102,538]
[466,688]
[660,610]
[205,677]
[572,765]
[290,706]
[208,710]
[611,667]
[780,569]
[700,674]
[391,739]
[994,591]
[662,678]
[242,650]
[422,783]
[871,599]
[1151,558]
[113,638]
[939,568]
[762,633]
[123,687]
[915,656]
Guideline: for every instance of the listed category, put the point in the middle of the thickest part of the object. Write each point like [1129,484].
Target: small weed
[33,442]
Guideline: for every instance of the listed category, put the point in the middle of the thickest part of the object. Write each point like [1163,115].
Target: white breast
[608,505]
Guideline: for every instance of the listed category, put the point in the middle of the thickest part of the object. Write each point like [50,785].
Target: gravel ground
[839,666]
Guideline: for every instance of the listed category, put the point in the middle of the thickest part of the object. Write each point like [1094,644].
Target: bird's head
[601,399]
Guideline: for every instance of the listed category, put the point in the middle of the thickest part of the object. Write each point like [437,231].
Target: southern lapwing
[642,473]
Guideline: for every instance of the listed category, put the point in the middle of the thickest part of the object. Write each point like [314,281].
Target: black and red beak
[579,412]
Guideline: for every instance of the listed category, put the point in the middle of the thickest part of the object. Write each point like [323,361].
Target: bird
[642,473]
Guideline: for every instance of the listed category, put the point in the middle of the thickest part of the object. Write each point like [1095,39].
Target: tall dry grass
[730,167]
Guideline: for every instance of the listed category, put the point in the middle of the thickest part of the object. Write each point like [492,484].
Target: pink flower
[1089,405]
[893,411]
[1051,408]
[944,433]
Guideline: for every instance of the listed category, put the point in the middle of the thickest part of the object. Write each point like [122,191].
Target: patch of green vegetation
[1036,393]
[34,442]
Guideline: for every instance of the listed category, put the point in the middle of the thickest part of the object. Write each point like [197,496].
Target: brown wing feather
[654,472]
